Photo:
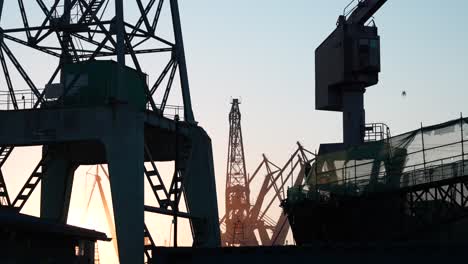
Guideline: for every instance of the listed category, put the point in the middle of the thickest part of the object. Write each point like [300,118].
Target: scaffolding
[423,156]
[413,182]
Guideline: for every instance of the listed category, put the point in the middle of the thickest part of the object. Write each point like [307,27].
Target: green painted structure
[93,83]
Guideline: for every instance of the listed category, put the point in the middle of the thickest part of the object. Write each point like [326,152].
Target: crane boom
[110,222]
[364,11]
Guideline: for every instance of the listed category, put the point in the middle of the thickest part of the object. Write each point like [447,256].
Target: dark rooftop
[10,219]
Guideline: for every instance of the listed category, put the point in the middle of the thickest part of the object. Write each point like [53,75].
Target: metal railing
[450,162]
[435,171]
[26,99]
[376,132]
[170,111]
[361,185]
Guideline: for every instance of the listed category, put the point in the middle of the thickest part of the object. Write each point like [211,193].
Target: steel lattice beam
[67,35]
[449,199]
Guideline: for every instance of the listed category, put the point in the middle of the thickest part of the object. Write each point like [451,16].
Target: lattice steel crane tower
[237,186]
[97,107]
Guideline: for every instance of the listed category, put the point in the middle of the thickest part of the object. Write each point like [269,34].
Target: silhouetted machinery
[373,187]
[95,109]
[348,62]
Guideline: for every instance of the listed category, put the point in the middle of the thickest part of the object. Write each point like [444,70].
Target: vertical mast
[237,188]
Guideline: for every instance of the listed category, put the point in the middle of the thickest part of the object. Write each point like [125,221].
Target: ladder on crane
[4,197]
[156,182]
[30,185]
[149,244]
[69,46]
[175,190]
[239,234]
[168,198]
[92,10]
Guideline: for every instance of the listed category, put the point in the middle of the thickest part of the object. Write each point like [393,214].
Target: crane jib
[364,11]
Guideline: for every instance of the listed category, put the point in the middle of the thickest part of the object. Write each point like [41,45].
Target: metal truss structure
[77,31]
[260,226]
[237,188]
[276,180]
[435,205]
[80,32]
[247,223]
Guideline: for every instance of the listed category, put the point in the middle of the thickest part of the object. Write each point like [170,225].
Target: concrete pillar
[124,150]
[56,186]
[353,117]
[200,191]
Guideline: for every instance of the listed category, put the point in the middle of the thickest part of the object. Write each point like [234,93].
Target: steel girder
[86,23]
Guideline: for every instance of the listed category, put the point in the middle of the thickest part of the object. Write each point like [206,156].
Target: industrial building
[28,239]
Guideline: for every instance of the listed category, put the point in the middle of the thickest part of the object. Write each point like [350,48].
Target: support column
[56,186]
[124,149]
[120,33]
[353,117]
[180,53]
[200,191]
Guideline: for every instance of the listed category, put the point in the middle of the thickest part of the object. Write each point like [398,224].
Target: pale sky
[263,52]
